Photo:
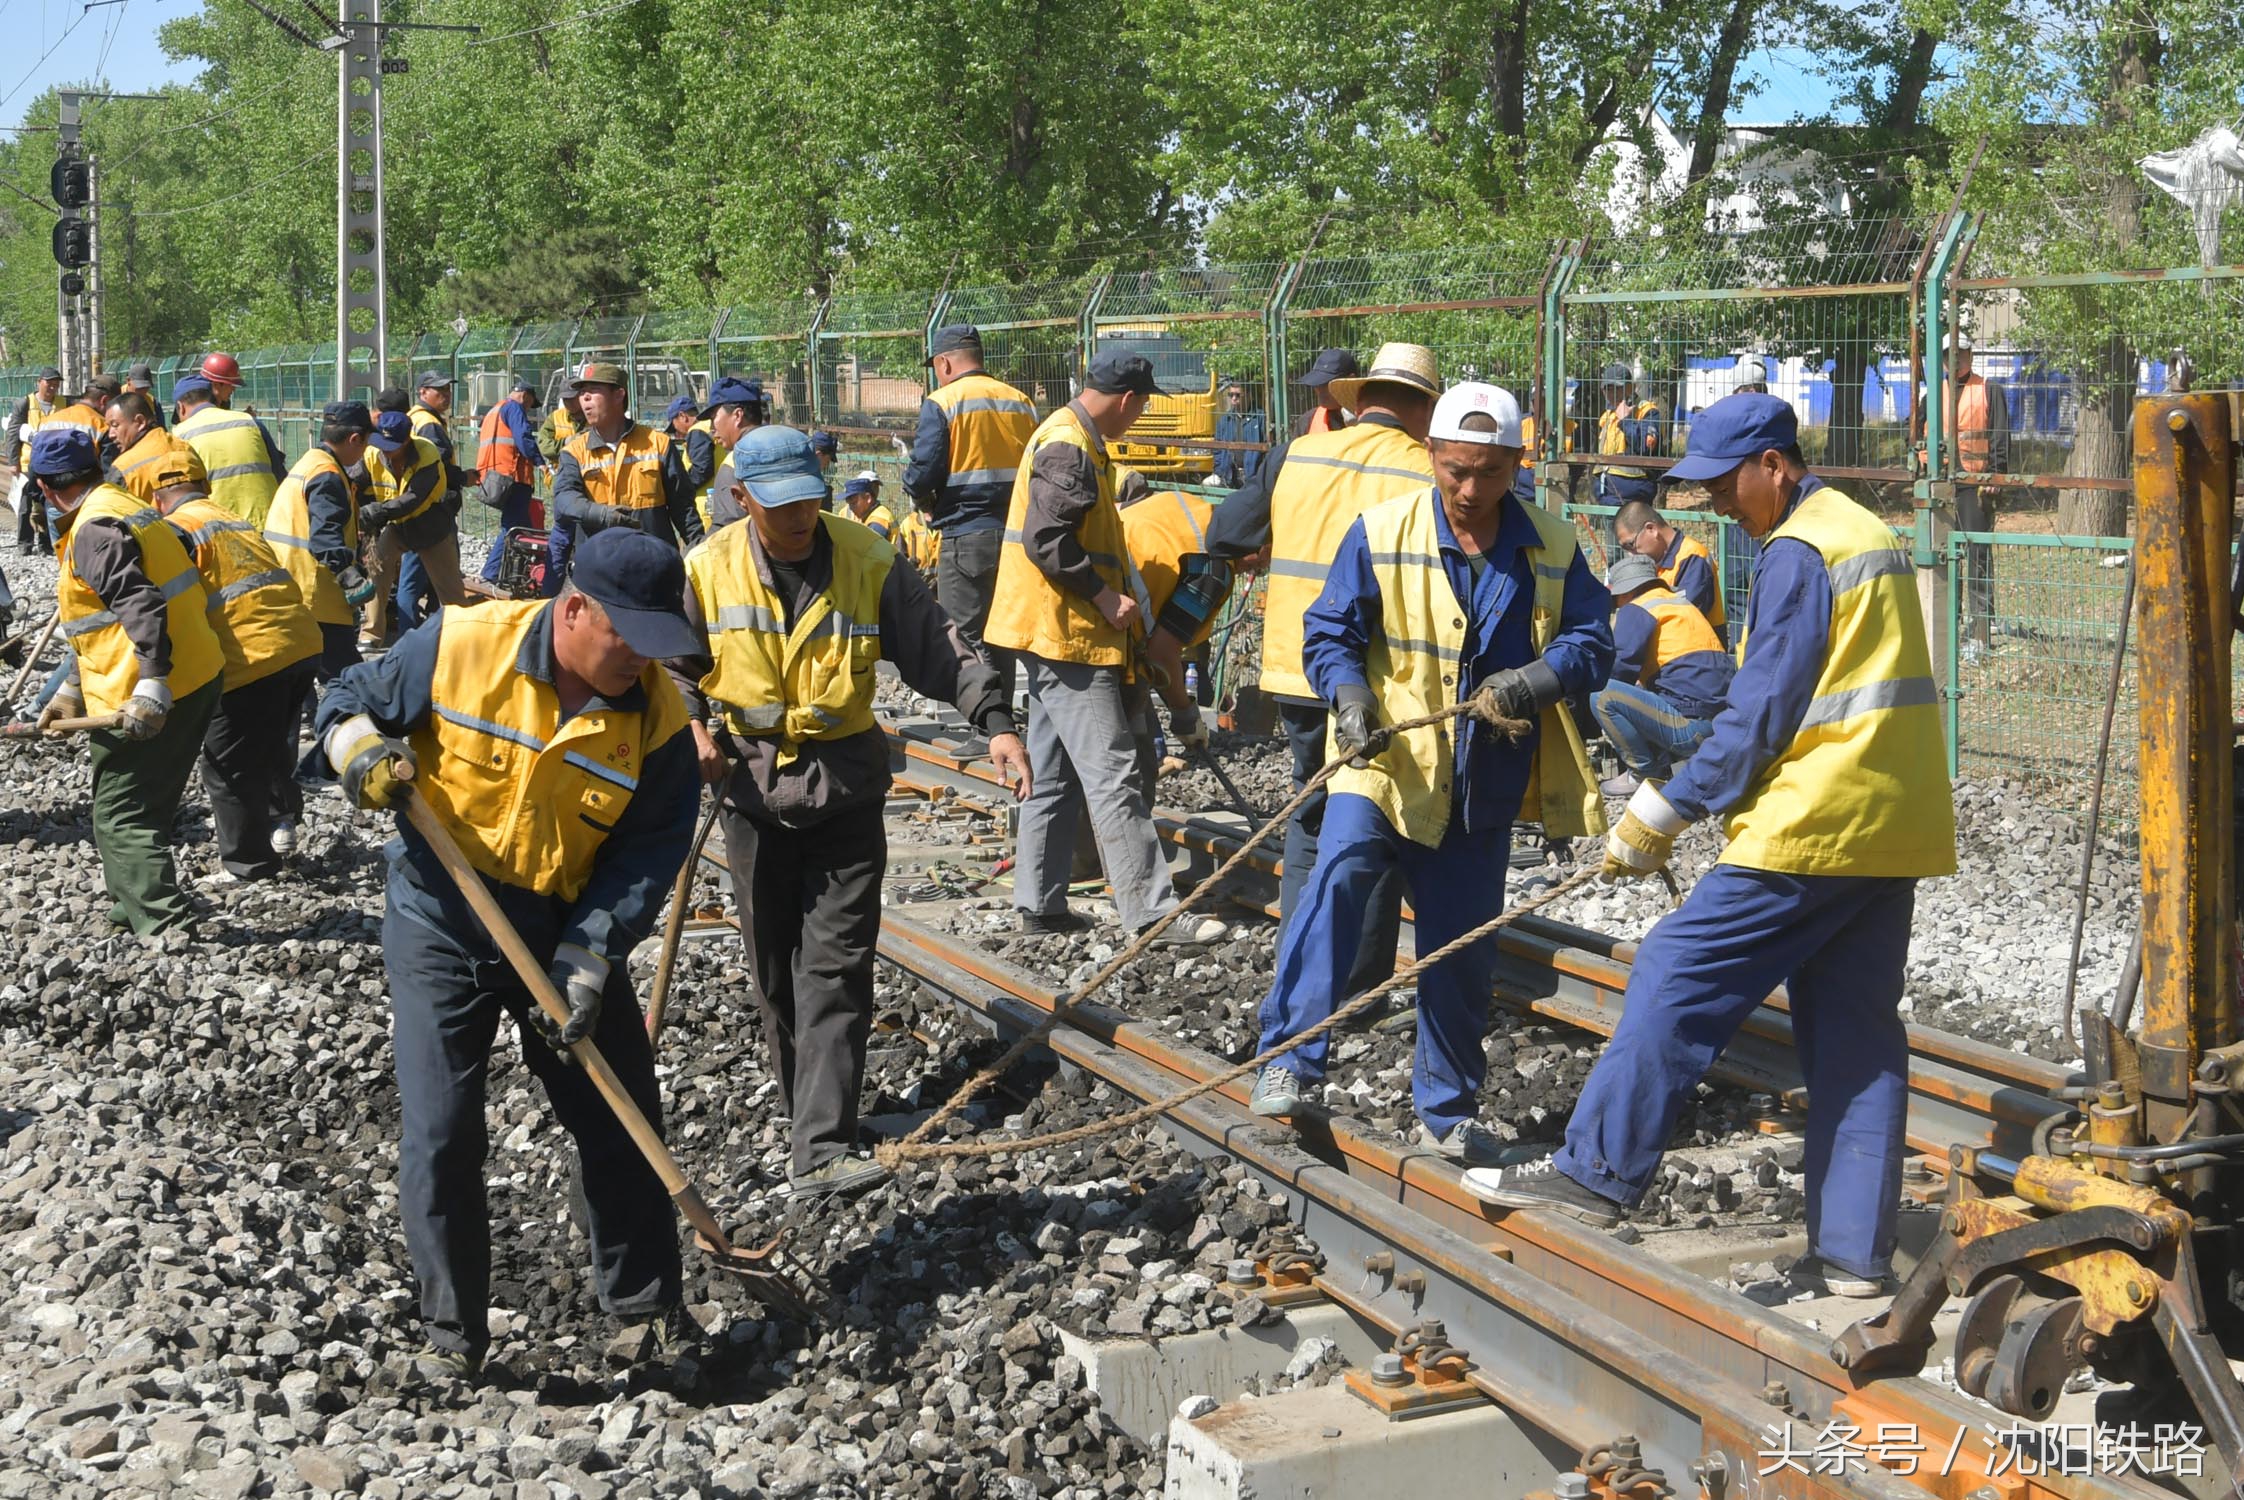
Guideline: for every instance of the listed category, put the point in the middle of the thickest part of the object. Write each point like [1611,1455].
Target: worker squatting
[708,620]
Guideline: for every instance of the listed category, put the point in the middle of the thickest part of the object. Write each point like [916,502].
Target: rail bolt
[1387,1369]
[1571,1486]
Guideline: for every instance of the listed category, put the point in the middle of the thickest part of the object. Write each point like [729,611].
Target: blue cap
[392,431]
[860,486]
[188,384]
[777,466]
[1119,372]
[731,390]
[1732,431]
[350,414]
[522,387]
[61,452]
[641,582]
[954,338]
[824,442]
[677,405]
[1331,365]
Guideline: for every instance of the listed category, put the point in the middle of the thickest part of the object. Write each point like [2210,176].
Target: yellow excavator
[2114,1244]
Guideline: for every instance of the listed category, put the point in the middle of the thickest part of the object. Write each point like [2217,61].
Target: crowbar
[31,731]
[31,657]
[674,927]
[772,1275]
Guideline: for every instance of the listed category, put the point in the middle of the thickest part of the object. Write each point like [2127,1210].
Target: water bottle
[1192,680]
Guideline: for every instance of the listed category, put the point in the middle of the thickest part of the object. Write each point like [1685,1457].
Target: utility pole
[362,317]
[97,323]
[71,182]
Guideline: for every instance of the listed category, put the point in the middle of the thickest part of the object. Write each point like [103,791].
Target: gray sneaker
[1466,1142]
[1276,1092]
[838,1174]
[1540,1184]
[1193,932]
[1812,1273]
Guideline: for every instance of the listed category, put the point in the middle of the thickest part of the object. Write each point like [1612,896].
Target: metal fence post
[1550,432]
[716,336]
[810,361]
[1276,357]
[1935,491]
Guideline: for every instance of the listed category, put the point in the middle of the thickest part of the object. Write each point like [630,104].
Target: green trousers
[137,785]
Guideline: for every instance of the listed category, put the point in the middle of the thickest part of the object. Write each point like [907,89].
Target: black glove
[1356,729]
[596,518]
[356,586]
[581,979]
[1524,692]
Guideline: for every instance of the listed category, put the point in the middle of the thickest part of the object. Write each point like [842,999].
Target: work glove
[144,713]
[369,762]
[1523,692]
[1644,840]
[1188,727]
[581,977]
[68,703]
[1356,730]
[356,586]
[597,518]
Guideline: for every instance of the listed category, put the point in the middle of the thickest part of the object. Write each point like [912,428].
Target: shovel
[773,1276]
[32,731]
[674,927]
[31,658]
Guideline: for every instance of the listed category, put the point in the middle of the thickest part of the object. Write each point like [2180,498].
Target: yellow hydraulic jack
[2114,1244]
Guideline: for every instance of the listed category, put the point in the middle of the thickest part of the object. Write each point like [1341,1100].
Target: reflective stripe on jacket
[107,666]
[495,448]
[1686,548]
[259,615]
[390,475]
[1029,612]
[136,466]
[288,530]
[990,425]
[627,473]
[231,445]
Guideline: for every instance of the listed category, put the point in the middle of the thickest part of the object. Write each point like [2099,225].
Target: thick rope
[894,1155]
[1481,706]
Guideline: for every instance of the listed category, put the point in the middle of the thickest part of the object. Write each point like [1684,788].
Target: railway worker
[313,529]
[239,454]
[1682,560]
[827,447]
[735,409]
[1328,413]
[789,614]
[1670,676]
[1626,424]
[140,377]
[133,612]
[508,458]
[429,573]
[973,429]
[921,546]
[698,443]
[270,642]
[405,512]
[43,399]
[1436,596]
[84,414]
[862,497]
[1300,505]
[553,749]
[681,416]
[1828,765]
[1064,605]
[562,423]
[141,443]
[1179,587]
[619,471]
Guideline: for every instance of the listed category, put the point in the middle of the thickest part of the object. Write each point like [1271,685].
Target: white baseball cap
[1463,400]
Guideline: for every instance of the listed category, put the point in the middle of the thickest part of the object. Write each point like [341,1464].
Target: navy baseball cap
[1118,372]
[60,452]
[680,404]
[1331,365]
[731,390]
[1734,430]
[954,338]
[392,431]
[641,582]
[860,486]
[350,414]
[436,378]
[188,384]
[522,387]
[778,467]
[48,372]
[824,442]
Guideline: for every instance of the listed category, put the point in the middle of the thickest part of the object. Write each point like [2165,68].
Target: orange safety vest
[495,448]
[1967,421]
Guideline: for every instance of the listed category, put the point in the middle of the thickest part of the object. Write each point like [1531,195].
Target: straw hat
[1409,365]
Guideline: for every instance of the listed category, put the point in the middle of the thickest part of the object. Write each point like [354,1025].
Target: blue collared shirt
[1491,772]
[1787,634]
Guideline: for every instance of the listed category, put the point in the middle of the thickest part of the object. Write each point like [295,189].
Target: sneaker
[1812,1273]
[1466,1141]
[284,837]
[1276,1092]
[837,1174]
[1053,924]
[1193,932]
[670,1337]
[221,878]
[1527,854]
[441,1366]
[1540,1184]
[1623,785]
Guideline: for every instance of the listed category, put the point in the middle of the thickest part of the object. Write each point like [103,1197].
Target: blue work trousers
[514,511]
[1382,927]
[446,997]
[1838,943]
[1652,734]
[1453,889]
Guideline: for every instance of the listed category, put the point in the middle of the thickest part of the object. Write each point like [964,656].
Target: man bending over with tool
[1434,597]
[788,616]
[554,751]
[1829,763]
[1179,588]
[1670,675]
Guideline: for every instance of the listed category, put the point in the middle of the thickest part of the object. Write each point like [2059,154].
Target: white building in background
[1763,169]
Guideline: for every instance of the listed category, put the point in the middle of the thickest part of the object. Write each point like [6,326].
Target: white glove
[1644,840]
[144,713]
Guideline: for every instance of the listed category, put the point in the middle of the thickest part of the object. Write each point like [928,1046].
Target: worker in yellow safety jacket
[270,642]
[44,397]
[145,660]
[618,471]
[1626,424]
[919,544]
[1456,592]
[1299,505]
[1065,608]
[237,451]
[1829,767]
[141,444]
[861,496]
[313,529]
[410,519]
[1671,676]
[1179,588]
[553,751]
[792,609]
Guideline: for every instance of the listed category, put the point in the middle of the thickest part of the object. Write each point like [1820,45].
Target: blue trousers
[1838,942]
[1382,927]
[1453,889]
[513,512]
[416,596]
[1652,734]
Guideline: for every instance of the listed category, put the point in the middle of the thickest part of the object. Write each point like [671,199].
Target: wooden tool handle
[486,907]
[674,927]
[31,657]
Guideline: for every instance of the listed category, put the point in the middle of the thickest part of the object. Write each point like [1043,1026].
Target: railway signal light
[71,183]
[73,243]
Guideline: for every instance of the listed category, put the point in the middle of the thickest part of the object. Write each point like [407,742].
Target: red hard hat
[221,369]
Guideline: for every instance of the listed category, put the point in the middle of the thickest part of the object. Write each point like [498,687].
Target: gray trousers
[966,581]
[1083,749]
